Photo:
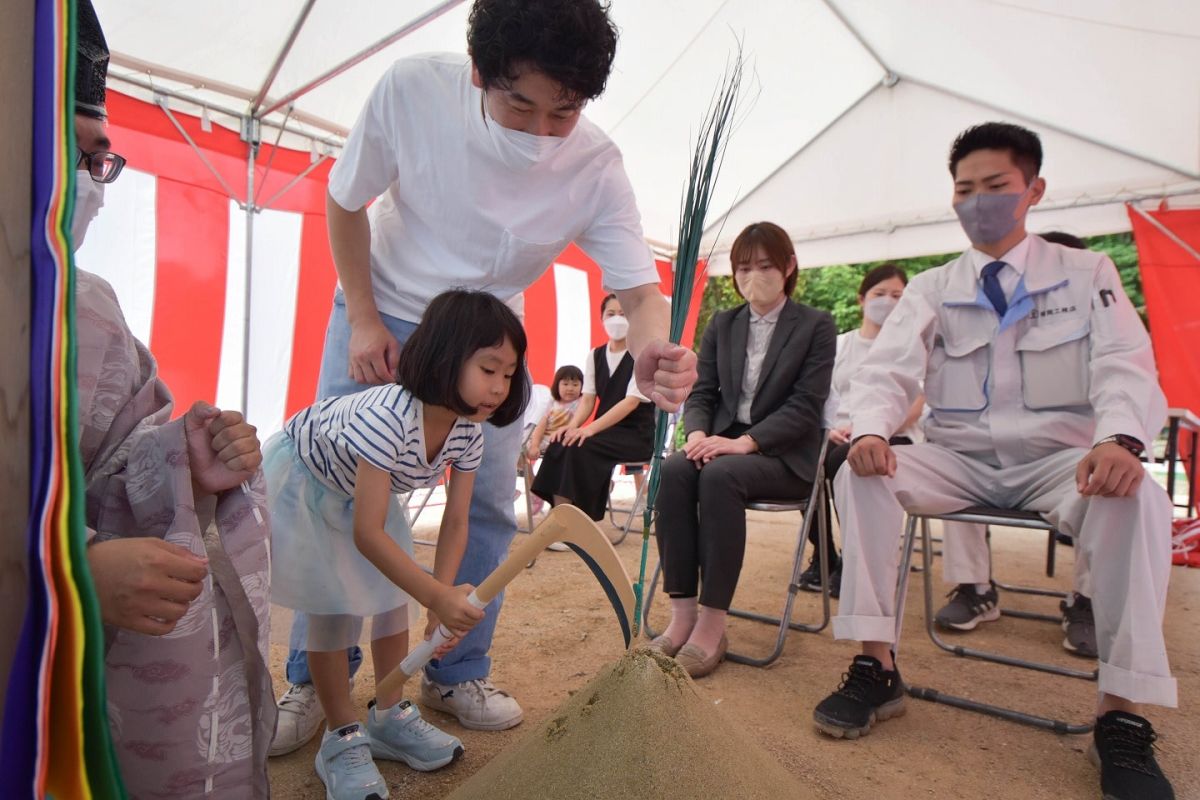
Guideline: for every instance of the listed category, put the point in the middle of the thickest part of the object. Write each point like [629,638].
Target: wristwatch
[1130,443]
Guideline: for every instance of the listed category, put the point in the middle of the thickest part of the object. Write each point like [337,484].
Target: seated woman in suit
[578,464]
[754,422]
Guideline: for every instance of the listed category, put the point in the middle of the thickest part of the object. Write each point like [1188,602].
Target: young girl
[566,390]
[342,547]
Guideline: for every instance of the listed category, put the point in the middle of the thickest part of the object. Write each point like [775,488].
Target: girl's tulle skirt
[316,568]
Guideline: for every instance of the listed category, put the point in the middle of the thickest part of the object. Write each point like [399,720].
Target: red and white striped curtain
[172,242]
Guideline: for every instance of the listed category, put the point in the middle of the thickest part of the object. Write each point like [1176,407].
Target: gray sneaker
[344,765]
[1080,626]
[399,734]
[967,608]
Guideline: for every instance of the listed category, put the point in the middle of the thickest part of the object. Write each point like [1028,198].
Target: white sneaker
[477,704]
[300,717]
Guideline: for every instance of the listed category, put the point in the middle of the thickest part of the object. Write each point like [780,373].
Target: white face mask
[616,327]
[89,199]
[877,309]
[762,286]
[517,149]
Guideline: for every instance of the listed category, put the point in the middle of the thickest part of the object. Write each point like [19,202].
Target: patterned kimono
[192,712]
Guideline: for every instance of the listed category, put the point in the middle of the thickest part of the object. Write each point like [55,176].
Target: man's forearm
[350,241]
[649,315]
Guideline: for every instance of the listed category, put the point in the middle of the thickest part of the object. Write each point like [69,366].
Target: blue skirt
[315,565]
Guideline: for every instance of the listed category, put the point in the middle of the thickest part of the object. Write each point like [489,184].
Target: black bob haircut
[455,325]
[1022,144]
[567,372]
[879,274]
[573,42]
[604,302]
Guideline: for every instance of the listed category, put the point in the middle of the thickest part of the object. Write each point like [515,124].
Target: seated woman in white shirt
[577,466]
[878,294]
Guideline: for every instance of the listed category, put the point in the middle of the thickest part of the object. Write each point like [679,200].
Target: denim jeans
[492,522]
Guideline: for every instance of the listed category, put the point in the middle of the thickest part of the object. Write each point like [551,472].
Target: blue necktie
[991,287]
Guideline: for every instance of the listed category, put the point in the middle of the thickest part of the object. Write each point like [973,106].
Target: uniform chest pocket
[523,259]
[958,374]
[1054,365]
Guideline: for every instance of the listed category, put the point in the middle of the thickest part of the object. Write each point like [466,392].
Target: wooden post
[16,126]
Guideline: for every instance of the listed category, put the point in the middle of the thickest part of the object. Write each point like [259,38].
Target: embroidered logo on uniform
[1050,312]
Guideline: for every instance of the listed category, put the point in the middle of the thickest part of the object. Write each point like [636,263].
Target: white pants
[966,557]
[1125,540]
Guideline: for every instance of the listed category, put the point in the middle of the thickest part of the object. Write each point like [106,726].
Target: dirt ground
[557,630]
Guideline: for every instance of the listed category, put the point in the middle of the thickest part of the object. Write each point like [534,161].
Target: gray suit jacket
[786,417]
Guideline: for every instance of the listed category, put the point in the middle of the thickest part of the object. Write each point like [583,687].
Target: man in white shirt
[484,170]
[1042,391]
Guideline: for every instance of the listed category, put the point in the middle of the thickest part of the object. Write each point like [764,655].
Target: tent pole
[1165,231]
[301,117]
[257,102]
[362,55]
[837,12]
[287,188]
[1083,137]
[250,133]
[162,103]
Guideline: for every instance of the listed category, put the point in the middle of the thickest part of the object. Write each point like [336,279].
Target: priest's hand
[145,584]
[223,449]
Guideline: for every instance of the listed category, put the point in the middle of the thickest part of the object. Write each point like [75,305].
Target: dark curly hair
[572,41]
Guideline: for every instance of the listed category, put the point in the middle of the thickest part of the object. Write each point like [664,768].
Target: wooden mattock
[16,124]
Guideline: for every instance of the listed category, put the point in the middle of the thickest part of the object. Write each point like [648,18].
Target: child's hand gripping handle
[422,653]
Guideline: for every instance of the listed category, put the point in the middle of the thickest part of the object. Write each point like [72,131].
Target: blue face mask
[988,218]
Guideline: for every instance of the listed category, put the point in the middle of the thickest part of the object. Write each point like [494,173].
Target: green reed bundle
[707,157]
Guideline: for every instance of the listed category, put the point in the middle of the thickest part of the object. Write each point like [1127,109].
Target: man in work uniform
[1043,392]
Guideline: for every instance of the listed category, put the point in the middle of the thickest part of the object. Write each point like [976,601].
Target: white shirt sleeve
[589,373]
[1124,389]
[368,163]
[615,240]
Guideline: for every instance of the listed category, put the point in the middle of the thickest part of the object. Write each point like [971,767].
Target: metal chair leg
[783,622]
[935,696]
[641,494]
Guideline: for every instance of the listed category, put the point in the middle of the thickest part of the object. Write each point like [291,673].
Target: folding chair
[632,512]
[668,448]
[985,516]
[816,505]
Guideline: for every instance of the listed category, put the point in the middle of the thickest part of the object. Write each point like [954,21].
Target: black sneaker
[1123,750]
[835,582]
[1080,626]
[967,608]
[810,579]
[867,694]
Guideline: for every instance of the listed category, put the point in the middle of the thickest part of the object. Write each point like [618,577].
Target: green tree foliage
[835,289]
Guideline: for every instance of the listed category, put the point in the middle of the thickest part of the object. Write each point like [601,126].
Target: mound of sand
[639,729]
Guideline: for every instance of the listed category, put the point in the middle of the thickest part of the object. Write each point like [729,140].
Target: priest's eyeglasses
[104,167]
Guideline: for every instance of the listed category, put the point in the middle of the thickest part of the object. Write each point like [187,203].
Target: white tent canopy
[851,104]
